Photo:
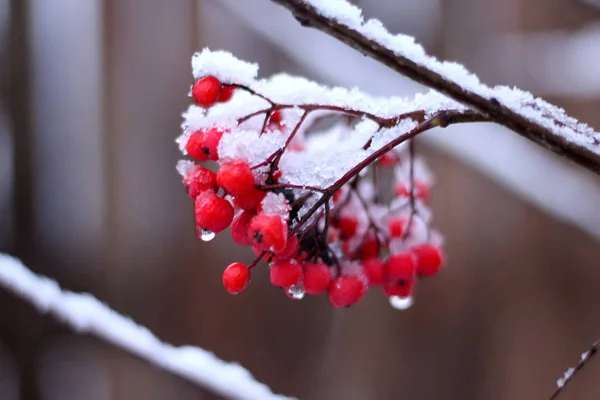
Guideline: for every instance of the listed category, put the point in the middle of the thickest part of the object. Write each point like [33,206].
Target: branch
[533,118]
[84,313]
[570,373]
[441,119]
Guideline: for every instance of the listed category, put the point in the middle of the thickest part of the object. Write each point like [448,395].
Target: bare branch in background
[86,314]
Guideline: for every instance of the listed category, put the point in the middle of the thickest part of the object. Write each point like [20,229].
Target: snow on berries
[291,167]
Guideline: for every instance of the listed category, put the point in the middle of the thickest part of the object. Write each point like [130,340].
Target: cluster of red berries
[343,254]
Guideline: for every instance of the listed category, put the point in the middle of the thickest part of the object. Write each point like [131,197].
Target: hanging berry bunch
[323,184]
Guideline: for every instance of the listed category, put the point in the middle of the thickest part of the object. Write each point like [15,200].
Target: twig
[535,119]
[441,119]
[572,372]
[411,178]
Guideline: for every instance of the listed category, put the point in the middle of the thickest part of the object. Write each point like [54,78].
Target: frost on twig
[531,117]
[571,372]
[85,314]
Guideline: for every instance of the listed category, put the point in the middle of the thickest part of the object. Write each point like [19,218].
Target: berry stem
[257,260]
[254,93]
[376,193]
[280,152]
[411,179]
[372,223]
[418,115]
[326,225]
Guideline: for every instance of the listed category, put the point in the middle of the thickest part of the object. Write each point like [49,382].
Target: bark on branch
[540,131]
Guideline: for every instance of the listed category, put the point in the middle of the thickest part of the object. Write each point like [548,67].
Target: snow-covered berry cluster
[323,184]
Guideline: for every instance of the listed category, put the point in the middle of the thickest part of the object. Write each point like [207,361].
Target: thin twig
[441,119]
[572,372]
[411,179]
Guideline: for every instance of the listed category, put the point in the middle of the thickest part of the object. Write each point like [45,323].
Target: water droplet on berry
[207,235]
[296,292]
[401,303]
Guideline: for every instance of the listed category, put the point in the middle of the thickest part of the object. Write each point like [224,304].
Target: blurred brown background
[92,93]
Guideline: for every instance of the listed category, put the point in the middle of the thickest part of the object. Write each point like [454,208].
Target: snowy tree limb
[533,118]
[86,314]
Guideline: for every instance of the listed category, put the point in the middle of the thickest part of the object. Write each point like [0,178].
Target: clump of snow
[276,204]
[224,66]
[184,167]
[384,136]
[585,355]
[249,145]
[560,382]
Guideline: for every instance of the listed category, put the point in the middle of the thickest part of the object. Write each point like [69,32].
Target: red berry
[250,200]
[370,247]
[239,228]
[226,93]
[213,213]
[202,144]
[332,234]
[429,259]
[421,191]
[400,289]
[374,270]
[285,273]
[347,250]
[296,145]
[337,196]
[236,177]
[236,277]
[389,159]
[290,250]
[268,232]
[346,290]
[401,267]
[199,179]
[276,118]
[317,278]
[206,91]
[276,175]
[396,226]
[347,227]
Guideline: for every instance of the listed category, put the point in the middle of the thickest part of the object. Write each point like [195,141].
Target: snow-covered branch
[570,373]
[86,314]
[533,118]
